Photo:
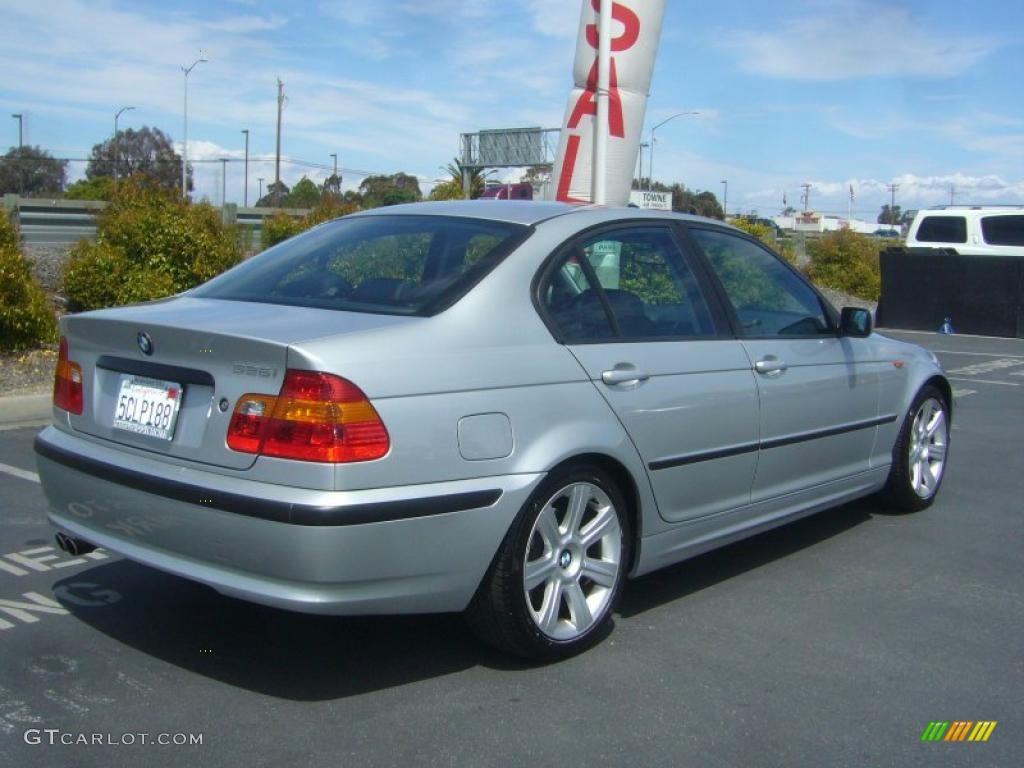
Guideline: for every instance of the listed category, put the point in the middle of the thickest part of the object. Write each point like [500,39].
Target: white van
[970,230]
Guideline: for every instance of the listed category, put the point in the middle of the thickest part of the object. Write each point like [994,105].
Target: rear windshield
[1003,230]
[400,265]
[942,229]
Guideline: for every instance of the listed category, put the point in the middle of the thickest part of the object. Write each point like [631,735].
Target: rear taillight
[67,382]
[316,417]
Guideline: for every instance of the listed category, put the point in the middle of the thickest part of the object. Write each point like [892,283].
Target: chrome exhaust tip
[73,546]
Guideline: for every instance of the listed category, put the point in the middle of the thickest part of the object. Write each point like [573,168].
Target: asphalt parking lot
[833,641]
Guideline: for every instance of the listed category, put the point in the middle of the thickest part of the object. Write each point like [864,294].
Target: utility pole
[116,154]
[725,199]
[806,196]
[245,186]
[260,180]
[892,203]
[277,161]
[952,193]
[21,129]
[223,181]
[334,155]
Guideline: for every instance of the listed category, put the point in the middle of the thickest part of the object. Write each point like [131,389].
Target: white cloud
[854,39]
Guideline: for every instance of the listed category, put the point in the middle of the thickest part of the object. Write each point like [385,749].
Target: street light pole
[116,155]
[245,191]
[650,165]
[725,199]
[184,144]
[260,180]
[223,181]
[21,128]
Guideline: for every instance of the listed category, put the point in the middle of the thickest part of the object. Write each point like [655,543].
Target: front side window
[627,284]
[767,297]
[942,229]
[1003,230]
[385,264]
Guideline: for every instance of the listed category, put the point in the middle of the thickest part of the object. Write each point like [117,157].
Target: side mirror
[855,321]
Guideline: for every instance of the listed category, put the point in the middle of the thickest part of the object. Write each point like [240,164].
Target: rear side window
[942,229]
[402,265]
[1003,230]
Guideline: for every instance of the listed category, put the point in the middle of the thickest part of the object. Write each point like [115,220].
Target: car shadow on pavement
[312,658]
[275,652]
[690,576]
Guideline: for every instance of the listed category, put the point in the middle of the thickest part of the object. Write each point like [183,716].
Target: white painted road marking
[984,381]
[974,354]
[964,392]
[22,473]
[989,366]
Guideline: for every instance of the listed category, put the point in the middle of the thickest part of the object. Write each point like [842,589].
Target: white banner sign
[658,201]
[636,28]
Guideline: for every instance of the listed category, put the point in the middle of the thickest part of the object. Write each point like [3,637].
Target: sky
[924,95]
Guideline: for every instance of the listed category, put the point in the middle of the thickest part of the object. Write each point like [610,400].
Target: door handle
[770,366]
[623,374]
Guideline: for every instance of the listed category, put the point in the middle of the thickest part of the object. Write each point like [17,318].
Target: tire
[921,453]
[572,540]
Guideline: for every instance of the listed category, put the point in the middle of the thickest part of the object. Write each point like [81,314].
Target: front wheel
[919,456]
[551,589]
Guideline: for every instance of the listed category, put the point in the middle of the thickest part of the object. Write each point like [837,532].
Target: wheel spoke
[550,608]
[935,423]
[601,572]
[606,522]
[537,572]
[937,452]
[578,501]
[547,527]
[578,608]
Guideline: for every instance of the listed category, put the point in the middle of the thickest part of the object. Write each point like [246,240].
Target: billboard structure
[634,36]
[506,148]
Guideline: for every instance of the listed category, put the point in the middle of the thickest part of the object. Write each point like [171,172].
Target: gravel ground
[47,263]
[27,373]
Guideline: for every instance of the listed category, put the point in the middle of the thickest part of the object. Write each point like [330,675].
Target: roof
[513,211]
[528,212]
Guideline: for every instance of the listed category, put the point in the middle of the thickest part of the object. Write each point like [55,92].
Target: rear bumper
[408,549]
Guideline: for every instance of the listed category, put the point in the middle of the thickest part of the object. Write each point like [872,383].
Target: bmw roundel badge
[145,343]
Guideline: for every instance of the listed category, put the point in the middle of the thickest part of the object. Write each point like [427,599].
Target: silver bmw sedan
[499,408]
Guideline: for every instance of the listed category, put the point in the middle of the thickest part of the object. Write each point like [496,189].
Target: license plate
[147,406]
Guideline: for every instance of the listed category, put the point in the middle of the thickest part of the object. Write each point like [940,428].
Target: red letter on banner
[624,16]
[586,105]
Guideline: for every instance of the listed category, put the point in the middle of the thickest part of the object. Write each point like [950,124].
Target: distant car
[887,234]
[503,408]
[519,191]
[970,230]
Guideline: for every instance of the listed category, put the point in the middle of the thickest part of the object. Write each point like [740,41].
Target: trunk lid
[214,351]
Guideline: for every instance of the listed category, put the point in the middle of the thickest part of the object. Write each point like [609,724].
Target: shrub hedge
[149,243]
[26,317]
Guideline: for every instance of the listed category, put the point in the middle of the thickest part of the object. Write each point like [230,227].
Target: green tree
[26,318]
[331,187]
[305,194]
[100,188]
[890,216]
[32,172]
[148,151]
[451,188]
[276,197]
[846,261]
[377,191]
[149,243]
